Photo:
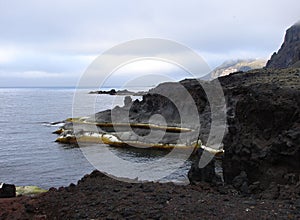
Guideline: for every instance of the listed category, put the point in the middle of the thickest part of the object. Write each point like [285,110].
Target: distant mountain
[237,65]
[289,53]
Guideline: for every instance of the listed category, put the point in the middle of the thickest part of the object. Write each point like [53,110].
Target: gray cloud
[63,36]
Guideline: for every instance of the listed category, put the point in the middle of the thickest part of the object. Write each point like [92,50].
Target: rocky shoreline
[262,116]
[261,166]
[97,196]
[118,92]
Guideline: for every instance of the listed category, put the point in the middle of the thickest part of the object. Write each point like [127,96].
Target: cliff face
[262,143]
[289,53]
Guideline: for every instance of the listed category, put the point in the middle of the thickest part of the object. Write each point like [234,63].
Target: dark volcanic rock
[97,196]
[206,174]
[263,122]
[262,145]
[7,190]
[289,53]
[119,92]
[240,182]
[264,129]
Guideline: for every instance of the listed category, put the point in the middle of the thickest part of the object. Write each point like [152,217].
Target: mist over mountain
[232,66]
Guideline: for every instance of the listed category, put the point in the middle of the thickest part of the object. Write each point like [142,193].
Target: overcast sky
[51,43]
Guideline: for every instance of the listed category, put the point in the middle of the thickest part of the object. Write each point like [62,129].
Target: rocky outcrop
[117,92]
[262,147]
[7,190]
[264,134]
[289,53]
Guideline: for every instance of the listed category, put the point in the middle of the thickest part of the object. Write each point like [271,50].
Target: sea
[29,154]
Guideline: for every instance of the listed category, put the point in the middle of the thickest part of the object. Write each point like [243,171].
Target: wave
[53,124]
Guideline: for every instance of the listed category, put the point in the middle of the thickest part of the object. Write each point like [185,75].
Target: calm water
[28,153]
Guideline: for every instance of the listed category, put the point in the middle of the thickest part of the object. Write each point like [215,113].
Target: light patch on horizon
[143,67]
[145,73]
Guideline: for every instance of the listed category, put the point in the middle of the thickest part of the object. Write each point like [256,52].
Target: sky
[52,43]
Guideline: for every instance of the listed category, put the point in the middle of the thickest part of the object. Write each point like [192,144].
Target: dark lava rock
[272,192]
[289,53]
[119,92]
[265,141]
[263,121]
[262,148]
[240,182]
[7,190]
[206,174]
[94,198]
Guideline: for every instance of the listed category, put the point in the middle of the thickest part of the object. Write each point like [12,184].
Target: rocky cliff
[262,144]
[262,147]
[289,53]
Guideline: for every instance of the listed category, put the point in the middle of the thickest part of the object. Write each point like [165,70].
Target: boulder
[206,174]
[7,190]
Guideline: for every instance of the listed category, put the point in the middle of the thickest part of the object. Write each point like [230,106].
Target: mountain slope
[237,65]
[289,53]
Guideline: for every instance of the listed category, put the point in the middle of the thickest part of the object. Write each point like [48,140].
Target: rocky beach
[259,156]
[97,196]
